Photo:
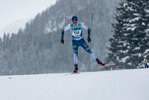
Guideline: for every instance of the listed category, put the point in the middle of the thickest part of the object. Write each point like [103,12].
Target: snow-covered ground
[102,85]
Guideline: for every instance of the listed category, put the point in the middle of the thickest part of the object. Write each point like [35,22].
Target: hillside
[105,85]
[39,43]
[14,27]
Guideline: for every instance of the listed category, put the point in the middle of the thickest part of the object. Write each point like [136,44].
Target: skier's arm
[86,28]
[89,31]
[64,30]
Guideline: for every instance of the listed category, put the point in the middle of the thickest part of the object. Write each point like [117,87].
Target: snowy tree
[129,41]
[146,53]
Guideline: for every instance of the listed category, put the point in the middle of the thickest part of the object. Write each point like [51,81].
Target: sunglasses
[74,21]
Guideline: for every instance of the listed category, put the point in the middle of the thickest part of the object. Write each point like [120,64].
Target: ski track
[102,85]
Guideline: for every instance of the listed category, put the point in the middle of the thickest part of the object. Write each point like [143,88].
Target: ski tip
[106,65]
[65,74]
[74,73]
[70,74]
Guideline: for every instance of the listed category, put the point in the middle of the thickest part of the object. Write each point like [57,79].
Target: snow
[134,19]
[147,30]
[102,85]
[146,51]
[123,51]
[49,27]
[14,27]
[147,11]
[124,59]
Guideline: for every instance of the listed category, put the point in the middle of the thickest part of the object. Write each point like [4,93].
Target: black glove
[89,39]
[62,41]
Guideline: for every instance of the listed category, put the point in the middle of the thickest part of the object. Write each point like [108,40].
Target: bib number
[76,33]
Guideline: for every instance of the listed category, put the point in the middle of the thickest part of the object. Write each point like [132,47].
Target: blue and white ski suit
[77,39]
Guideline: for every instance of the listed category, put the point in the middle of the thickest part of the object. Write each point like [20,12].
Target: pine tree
[146,52]
[129,40]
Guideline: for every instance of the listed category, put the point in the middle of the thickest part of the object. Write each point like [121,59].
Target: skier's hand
[89,39]
[62,41]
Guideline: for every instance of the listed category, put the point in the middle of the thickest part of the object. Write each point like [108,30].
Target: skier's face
[75,23]
[74,20]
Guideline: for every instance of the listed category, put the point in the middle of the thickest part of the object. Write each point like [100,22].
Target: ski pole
[92,19]
[65,20]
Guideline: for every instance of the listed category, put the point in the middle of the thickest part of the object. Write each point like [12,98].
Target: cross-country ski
[106,65]
[72,73]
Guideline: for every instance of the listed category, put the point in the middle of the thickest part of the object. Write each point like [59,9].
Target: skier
[76,27]
[147,64]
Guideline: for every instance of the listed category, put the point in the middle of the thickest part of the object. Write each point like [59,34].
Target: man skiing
[76,27]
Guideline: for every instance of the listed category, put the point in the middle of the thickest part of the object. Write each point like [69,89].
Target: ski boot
[99,62]
[76,69]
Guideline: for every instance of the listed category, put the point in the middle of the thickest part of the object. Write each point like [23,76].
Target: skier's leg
[75,62]
[75,58]
[87,48]
[75,50]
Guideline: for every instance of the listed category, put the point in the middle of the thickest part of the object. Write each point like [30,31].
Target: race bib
[76,33]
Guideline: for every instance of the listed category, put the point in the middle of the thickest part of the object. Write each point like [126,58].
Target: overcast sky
[12,10]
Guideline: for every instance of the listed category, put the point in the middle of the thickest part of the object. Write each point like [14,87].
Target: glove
[62,41]
[89,39]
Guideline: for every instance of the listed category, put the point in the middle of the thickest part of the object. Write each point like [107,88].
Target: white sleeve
[67,27]
[84,26]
